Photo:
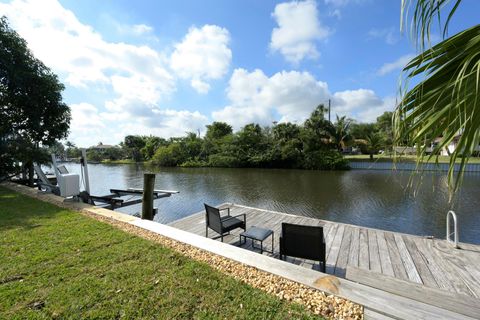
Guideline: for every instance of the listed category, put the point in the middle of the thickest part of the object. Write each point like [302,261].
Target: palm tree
[374,143]
[340,132]
[445,102]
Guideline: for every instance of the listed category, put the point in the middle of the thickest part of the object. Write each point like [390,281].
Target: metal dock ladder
[451,215]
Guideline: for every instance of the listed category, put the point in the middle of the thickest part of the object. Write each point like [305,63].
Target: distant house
[450,148]
[102,147]
[405,150]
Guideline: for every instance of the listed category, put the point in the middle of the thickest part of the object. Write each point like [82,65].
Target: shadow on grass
[17,210]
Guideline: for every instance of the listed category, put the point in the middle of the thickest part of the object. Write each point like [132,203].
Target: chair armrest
[231,217]
[228,210]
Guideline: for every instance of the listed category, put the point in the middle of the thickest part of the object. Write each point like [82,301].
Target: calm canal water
[378,199]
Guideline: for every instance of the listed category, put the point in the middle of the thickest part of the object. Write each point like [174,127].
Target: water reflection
[378,199]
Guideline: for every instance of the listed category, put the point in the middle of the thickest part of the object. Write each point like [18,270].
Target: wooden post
[147,200]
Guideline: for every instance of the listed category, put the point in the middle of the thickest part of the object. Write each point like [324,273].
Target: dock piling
[147,200]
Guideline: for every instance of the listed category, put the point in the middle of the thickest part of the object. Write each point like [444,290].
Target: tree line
[315,144]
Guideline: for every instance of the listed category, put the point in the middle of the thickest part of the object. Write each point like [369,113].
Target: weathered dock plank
[342,259]
[397,264]
[363,256]
[385,261]
[412,272]
[354,248]
[420,263]
[373,251]
[406,257]
[460,304]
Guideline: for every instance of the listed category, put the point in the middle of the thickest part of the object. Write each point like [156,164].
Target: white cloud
[361,104]
[298,30]
[137,30]
[337,3]
[398,64]
[389,35]
[343,3]
[85,117]
[166,123]
[78,52]
[135,78]
[87,125]
[254,97]
[202,55]
[141,29]
[291,97]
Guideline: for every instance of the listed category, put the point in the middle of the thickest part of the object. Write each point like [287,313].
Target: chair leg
[221,237]
[206,232]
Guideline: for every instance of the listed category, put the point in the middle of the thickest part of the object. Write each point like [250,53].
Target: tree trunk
[24,171]
[30,173]
[371,156]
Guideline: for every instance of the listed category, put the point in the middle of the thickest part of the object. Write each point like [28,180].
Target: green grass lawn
[55,263]
[404,158]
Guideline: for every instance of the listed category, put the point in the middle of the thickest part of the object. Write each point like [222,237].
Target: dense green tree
[251,145]
[362,130]
[340,132]
[170,156]
[215,137]
[317,123]
[385,127]
[218,130]
[152,143]
[133,146]
[32,112]
[192,146]
[286,150]
[316,131]
[72,151]
[375,142]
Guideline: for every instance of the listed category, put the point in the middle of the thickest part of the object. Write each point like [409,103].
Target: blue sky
[165,68]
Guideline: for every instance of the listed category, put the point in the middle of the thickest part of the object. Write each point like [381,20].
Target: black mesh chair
[305,242]
[222,225]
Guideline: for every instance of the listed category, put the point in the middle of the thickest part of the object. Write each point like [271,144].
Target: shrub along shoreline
[314,144]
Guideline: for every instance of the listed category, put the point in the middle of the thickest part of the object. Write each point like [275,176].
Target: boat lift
[69,186]
[116,198]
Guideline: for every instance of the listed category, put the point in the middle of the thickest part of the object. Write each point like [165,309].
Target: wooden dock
[433,263]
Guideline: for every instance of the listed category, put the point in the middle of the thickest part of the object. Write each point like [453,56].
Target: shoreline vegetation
[95,270]
[315,144]
[350,158]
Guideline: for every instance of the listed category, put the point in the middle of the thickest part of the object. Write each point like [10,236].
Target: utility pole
[329,107]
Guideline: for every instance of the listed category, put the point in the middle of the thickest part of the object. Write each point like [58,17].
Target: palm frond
[425,12]
[446,102]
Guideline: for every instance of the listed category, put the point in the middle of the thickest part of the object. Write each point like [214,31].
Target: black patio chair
[301,241]
[222,225]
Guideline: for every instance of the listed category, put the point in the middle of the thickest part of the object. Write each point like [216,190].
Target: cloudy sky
[168,67]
